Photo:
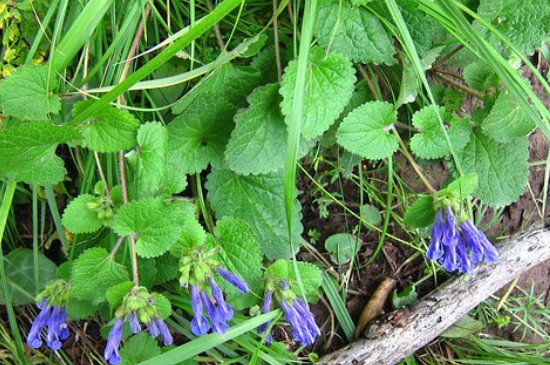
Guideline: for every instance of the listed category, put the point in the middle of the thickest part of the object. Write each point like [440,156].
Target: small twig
[415,167]
[101,174]
[217,30]
[276,41]
[117,246]
[460,86]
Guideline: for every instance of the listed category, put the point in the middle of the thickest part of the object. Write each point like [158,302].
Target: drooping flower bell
[458,247]
[52,303]
[297,313]
[199,270]
[137,306]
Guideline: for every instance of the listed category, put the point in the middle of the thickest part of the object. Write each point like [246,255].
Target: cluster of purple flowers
[297,313]
[55,319]
[217,309]
[458,248]
[156,327]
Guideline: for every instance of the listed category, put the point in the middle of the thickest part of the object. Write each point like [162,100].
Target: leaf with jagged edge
[156,224]
[258,143]
[198,136]
[329,86]
[502,168]
[78,218]
[430,142]
[421,213]
[27,152]
[26,93]
[93,272]
[139,348]
[365,131]
[258,200]
[109,130]
[507,120]
[353,31]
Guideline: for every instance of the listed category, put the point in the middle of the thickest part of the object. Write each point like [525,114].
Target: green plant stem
[460,86]
[4,212]
[35,237]
[52,203]
[414,165]
[202,204]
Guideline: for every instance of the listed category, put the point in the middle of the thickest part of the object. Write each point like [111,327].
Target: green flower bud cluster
[139,302]
[197,264]
[56,293]
[281,290]
[103,206]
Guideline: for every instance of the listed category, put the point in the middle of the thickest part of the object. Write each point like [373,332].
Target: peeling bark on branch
[403,332]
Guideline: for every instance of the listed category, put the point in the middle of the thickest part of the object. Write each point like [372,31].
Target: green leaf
[310,276]
[192,234]
[464,186]
[241,250]
[19,265]
[258,142]
[162,305]
[150,159]
[525,23]
[354,32]
[109,130]
[78,218]
[26,93]
[480,76]
[116,293]
[365,131]
[80,309]
[156,224]
[27,152]
[93,272]
[329,87]
[371,214]
[507,120]
[341,247]
[465,327]
[258,200]
[502,169]
[199,135]
[229,82]
[139,348]
[167,268]
[430,143]
[147,271]
[406,297]
[422,27]
[421,213]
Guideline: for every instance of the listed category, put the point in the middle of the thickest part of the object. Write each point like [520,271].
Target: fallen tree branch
[403,332]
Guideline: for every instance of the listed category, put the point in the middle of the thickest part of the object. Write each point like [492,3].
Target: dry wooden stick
[403,332]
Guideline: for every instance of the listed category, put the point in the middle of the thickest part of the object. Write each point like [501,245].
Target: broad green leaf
[480,76]
[310,276]
[365,131]
[502,169]
[198,136]
[525,23]
[258,200]
[162,305]
[329,87]
[78,218]
[229,82]
[192,234]
[27,152]
[150,160]
[354,32]
[93,272]
[116,293]
[430,143]
[26,93]
[19,265]
[258,142]
[139,348]
[341,247]
[156,224]
[465,327]
[80,309]
[421,213]
[167,268]
[463,187]
[507,120]
[147,271]
[371,214]
[423,28]
[109,130]
[241,250]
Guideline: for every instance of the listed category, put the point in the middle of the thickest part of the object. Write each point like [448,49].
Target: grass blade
[339,307]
